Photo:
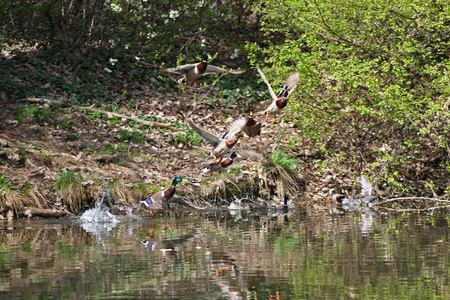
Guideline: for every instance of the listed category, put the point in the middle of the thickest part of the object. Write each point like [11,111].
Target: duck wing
[234,128]
[180,69]
[366,187]
[179,200]
[263,76]
[154,202]
[214,69]
[291,81]
[208,136]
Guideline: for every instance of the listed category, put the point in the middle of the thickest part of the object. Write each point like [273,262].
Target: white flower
[166,21]
[112,61]
[173,14]
[116,7]
[126,47]
[107,70]
[203,43]
[137,58]
[235,54]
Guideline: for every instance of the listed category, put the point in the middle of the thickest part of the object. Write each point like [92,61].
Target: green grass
[5,185]
[146,188]
[132,136]
[66,179]
[283,160]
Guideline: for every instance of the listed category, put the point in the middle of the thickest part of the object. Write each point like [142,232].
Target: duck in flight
[192,72]
[280,100]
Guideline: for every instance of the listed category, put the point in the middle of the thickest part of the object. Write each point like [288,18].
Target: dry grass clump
[16,200]
[123,193]
[70,189]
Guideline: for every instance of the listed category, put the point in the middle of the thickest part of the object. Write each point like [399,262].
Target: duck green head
[286,198]
[206,57]
[176,180]
[234,155]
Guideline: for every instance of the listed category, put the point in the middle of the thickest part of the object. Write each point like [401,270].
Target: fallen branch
[410,198]
[108,113]
[137,120]
[46,213]
[413,209]
[379,204]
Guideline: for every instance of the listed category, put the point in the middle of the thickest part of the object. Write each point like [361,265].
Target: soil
[34,153]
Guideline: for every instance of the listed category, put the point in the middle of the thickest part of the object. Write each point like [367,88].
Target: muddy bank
[104,153]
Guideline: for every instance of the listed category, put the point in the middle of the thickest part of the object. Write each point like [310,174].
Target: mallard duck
[161,200]
[191,72]
[219,166]
[222,145]
[252,127]
[284,206]
[336,197]
[279,101]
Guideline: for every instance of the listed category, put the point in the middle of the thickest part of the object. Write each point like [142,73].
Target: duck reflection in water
[167,245]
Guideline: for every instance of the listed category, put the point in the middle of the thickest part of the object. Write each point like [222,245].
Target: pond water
[309,253]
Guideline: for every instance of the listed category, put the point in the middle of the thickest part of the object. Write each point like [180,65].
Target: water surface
[306,254]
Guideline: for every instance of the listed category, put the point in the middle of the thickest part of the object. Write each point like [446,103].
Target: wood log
[44,212]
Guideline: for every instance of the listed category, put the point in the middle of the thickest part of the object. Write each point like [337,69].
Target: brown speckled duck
[220,166]
[191,72]
[222,145]
[279,101]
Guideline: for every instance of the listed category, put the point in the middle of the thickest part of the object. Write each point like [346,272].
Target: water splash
[99,221]
[98,214]
[237,204]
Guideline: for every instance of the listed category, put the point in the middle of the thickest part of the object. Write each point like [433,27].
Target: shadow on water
[227,254]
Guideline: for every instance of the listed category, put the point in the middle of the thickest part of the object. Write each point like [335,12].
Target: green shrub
[283,160]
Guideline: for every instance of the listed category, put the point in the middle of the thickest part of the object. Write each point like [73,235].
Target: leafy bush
[373,76]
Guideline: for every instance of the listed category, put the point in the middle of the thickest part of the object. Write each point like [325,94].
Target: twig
[413,209]
[410,198]
[108,113]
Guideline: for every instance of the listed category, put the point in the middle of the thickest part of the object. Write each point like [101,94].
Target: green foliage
[370,72]
[190,137]
[4,185]
[32,111]
[241,91]
[26,188]
[146,188]
[65,124]
[132,136]
[122,46]
[111,149]
[66,179]
[283,160]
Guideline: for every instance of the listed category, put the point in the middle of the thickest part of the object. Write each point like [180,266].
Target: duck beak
[238,155]
[245,135]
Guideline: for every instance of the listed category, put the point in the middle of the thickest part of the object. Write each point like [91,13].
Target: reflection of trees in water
[219,256]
